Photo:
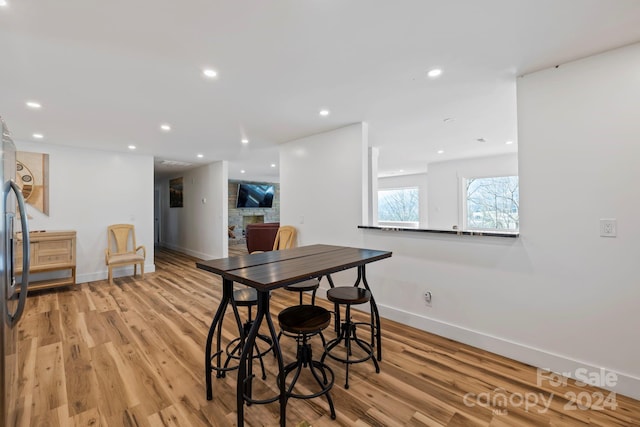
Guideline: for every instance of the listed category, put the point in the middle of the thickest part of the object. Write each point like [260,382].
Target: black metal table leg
[336,325]
[278,353]
[374,313]
[243,389]
[227,294]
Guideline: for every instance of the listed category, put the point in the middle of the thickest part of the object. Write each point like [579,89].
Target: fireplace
[239,218]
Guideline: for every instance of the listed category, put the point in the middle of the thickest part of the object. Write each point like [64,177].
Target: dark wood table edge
[229,275]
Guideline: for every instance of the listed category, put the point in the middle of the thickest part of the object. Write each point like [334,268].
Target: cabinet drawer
[48,250]
[45,260]
[53,252]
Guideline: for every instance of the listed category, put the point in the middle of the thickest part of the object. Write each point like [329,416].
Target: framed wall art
[32,176]
[175,193]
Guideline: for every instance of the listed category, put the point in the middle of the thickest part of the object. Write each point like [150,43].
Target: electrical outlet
[608,227]
[427,298]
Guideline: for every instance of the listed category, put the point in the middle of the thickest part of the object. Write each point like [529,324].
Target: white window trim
[462,200]
[404,224]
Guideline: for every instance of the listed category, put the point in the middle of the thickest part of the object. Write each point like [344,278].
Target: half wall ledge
[453,232]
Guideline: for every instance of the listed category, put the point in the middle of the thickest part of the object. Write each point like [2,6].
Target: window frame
[464,205]
[389,223]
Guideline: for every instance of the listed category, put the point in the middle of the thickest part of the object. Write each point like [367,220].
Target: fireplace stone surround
[241,217]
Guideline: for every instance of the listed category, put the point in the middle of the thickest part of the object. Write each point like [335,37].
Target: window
[399,205]
[492,203]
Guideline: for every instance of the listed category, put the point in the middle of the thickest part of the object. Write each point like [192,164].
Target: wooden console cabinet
[50,251]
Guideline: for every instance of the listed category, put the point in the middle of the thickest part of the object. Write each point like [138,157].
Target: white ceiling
[108,73]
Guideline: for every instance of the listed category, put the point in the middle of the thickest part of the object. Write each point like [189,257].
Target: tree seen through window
[398,205]
[493,203]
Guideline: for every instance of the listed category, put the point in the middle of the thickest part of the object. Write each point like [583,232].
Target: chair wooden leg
[110,275]
[135,270]
[142,270]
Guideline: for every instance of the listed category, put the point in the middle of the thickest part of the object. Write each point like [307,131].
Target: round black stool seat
[303,322]
[245,297]
[304,319]
[348,296]
[307,285]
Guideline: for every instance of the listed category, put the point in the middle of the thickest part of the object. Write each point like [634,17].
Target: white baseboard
[196,254]
[117,272]
[625,384]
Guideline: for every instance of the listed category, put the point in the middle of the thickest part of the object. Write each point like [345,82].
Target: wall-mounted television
[254,195]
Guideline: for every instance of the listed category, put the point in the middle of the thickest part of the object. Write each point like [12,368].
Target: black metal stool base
[318,369]
[303,322]
[234,349]
[249,399]
[349,337]
[246,297]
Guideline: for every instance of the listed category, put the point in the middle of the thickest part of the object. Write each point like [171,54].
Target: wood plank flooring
[132,354]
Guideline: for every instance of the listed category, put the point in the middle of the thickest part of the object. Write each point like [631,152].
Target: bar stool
[247,297]
[302,287]
[302,322]
[348,296]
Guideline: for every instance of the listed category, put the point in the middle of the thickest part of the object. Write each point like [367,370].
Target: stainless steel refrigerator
[12,295]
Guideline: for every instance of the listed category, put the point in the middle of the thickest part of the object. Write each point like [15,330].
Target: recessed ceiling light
[509,142]
[34,105]
[273,165]
[200,156]
[242,171]
[436,72]
[440,151]
[3,3]
[38,135]
[208,72]
[132,147]
[244,141]
[165,127]
[401,170]
[324,113]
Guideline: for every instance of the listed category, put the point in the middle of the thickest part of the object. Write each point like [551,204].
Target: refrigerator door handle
[22,299]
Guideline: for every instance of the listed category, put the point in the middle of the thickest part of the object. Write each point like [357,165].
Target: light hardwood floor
[131,354]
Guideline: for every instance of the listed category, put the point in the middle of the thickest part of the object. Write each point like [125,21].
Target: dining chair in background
[122,250]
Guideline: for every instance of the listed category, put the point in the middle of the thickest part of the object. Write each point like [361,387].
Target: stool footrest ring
[326,382]
[368,349]
[221,370]
[234,353]
[251,400]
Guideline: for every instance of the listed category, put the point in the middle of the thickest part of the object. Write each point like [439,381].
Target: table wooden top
[233,263]
[275,269]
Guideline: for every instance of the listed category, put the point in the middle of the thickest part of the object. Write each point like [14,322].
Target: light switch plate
[608,227]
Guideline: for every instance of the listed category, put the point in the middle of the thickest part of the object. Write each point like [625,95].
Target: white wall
[446,181]
[89,190]
[200,227]
[419,180]
[558,297]
[579,152]
[321,181]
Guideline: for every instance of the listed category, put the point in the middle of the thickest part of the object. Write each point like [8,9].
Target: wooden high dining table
[267,271]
